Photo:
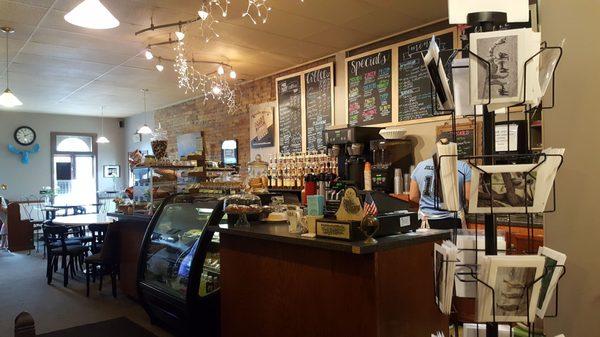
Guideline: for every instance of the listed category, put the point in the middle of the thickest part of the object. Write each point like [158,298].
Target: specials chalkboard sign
[370,89]
[318,86]
[414,85]
[289,112]
[468,142]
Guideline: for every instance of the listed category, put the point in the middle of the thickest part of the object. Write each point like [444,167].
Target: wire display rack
[491,157]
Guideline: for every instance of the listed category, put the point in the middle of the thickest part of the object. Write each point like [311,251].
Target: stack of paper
[471,250]
[512,278]
[444,269]
[446,164]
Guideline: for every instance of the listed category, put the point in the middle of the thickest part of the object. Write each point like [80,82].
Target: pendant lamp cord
[102,120]
[6,32]
[145,109]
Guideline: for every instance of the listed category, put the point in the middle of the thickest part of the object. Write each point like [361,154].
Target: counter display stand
[179,268]
[166,178]
[482,22]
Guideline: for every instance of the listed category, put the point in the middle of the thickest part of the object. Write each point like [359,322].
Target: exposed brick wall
[213,120]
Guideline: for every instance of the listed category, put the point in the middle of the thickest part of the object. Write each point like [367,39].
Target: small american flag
[370,207]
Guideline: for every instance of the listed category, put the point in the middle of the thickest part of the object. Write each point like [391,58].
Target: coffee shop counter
[277,282]
[131,230]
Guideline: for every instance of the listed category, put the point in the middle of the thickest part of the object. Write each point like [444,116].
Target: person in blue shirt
[422,191]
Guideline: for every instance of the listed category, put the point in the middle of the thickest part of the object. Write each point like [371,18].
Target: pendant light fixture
[102,139]
[145,130]
[8,99]
[91,14]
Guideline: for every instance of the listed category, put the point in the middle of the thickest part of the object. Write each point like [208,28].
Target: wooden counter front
[131,230]
[274,288]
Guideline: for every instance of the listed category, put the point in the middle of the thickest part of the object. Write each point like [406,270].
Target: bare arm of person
[414,193]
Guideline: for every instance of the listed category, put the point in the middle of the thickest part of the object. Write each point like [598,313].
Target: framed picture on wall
[262,125]
[112,171]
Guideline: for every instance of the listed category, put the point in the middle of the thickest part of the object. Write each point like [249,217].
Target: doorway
[74,169]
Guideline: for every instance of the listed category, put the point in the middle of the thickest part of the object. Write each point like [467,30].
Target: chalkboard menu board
[289,104]
[465,138]
[413,82]
[370,89]
[318,84]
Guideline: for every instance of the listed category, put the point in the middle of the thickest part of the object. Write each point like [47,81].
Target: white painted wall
[24,180]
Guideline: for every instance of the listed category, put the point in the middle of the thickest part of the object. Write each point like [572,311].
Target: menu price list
[413,82]
[289,98]
[370,89]
[318,84]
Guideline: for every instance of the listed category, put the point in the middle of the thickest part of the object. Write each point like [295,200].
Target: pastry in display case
[178,276]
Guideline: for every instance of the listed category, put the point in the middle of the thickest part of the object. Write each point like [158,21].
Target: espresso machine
[350,145]
[389,155]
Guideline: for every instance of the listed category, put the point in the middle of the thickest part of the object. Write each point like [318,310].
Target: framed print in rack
[553,260]
[513,279]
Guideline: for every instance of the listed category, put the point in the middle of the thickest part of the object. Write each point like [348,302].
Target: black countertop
[279,232]
[131,217]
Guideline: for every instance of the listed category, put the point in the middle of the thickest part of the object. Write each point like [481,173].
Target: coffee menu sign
[413,82]
[370,89]
[318,86]
[289,107]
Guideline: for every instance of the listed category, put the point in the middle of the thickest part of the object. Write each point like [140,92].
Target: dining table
[84,220]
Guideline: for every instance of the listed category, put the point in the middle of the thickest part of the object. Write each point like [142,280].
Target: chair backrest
[98,235]
[54,234]
[110,247]
[24,325]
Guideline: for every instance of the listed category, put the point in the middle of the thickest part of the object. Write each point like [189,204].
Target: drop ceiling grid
[71,56]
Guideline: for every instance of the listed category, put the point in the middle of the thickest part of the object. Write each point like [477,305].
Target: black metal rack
[487,22]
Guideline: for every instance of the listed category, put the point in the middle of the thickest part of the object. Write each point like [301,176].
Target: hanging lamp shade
[145,130]
[91,14]
[9,100]
[102,140]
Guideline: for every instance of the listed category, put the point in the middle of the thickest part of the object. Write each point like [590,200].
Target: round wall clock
[24,135]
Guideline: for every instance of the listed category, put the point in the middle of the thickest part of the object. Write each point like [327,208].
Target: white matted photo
[516,292]
[511,189]
[507,52]
[112,171]
[553,260]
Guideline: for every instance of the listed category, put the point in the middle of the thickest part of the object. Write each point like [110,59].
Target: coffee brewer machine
[389,155]
[350,145]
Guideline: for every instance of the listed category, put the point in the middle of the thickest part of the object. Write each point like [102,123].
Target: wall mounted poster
[189,143]
[262,125]
[318,86]
[289,112]
[414,86]
[370,89]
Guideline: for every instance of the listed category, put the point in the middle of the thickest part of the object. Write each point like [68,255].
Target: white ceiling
[60,68]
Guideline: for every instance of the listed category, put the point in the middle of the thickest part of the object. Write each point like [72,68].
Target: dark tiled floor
[23,288]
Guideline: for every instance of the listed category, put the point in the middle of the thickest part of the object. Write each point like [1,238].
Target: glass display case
[178,277]
[152,184]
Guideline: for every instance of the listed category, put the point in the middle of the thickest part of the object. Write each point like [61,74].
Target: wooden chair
[55,238]
[24,325]
[98,233]
[106,262]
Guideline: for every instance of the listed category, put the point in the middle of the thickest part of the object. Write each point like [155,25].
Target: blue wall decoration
[24,153]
